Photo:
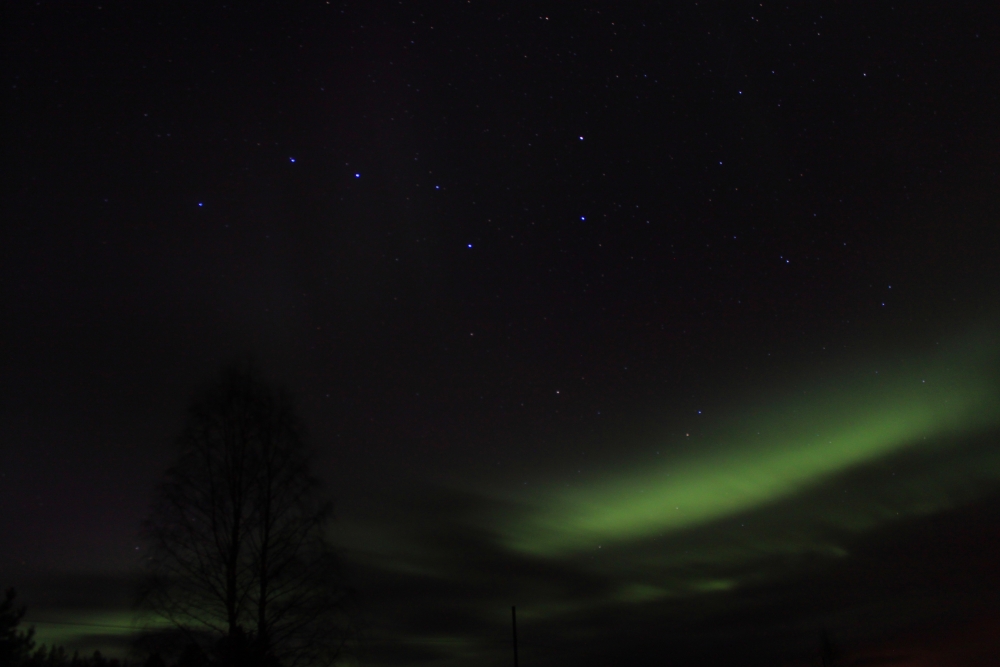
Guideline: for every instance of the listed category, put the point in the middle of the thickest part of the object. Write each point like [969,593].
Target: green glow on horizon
[85,629]
[769,456]
[715,585]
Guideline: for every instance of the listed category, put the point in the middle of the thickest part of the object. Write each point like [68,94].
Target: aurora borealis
[919,445]
[769,454]
[675,326]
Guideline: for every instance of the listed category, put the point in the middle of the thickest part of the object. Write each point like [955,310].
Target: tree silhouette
[15,644]
[236,538]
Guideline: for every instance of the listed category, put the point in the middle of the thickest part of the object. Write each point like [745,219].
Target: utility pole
[513,620]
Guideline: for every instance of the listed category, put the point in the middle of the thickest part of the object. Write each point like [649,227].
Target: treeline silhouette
[18,647]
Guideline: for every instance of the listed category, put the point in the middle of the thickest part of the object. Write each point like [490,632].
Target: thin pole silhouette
[513,620]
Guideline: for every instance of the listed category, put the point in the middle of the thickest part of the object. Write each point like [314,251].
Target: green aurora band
[87,629]
[769,455]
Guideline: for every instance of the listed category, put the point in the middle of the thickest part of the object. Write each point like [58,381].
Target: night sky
[674,324]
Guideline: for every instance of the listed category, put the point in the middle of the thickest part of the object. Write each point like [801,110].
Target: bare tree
[237,534]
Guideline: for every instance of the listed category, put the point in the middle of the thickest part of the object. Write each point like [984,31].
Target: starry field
[675,325]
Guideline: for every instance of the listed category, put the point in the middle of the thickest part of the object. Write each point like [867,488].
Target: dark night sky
[671,323]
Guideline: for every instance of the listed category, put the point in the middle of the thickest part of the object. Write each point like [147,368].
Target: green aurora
[769,455]
[673,534]
[106,630]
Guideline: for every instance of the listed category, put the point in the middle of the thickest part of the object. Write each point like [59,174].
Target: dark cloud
[760,586]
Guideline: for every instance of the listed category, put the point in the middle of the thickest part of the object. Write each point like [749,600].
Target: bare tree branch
[237,534]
